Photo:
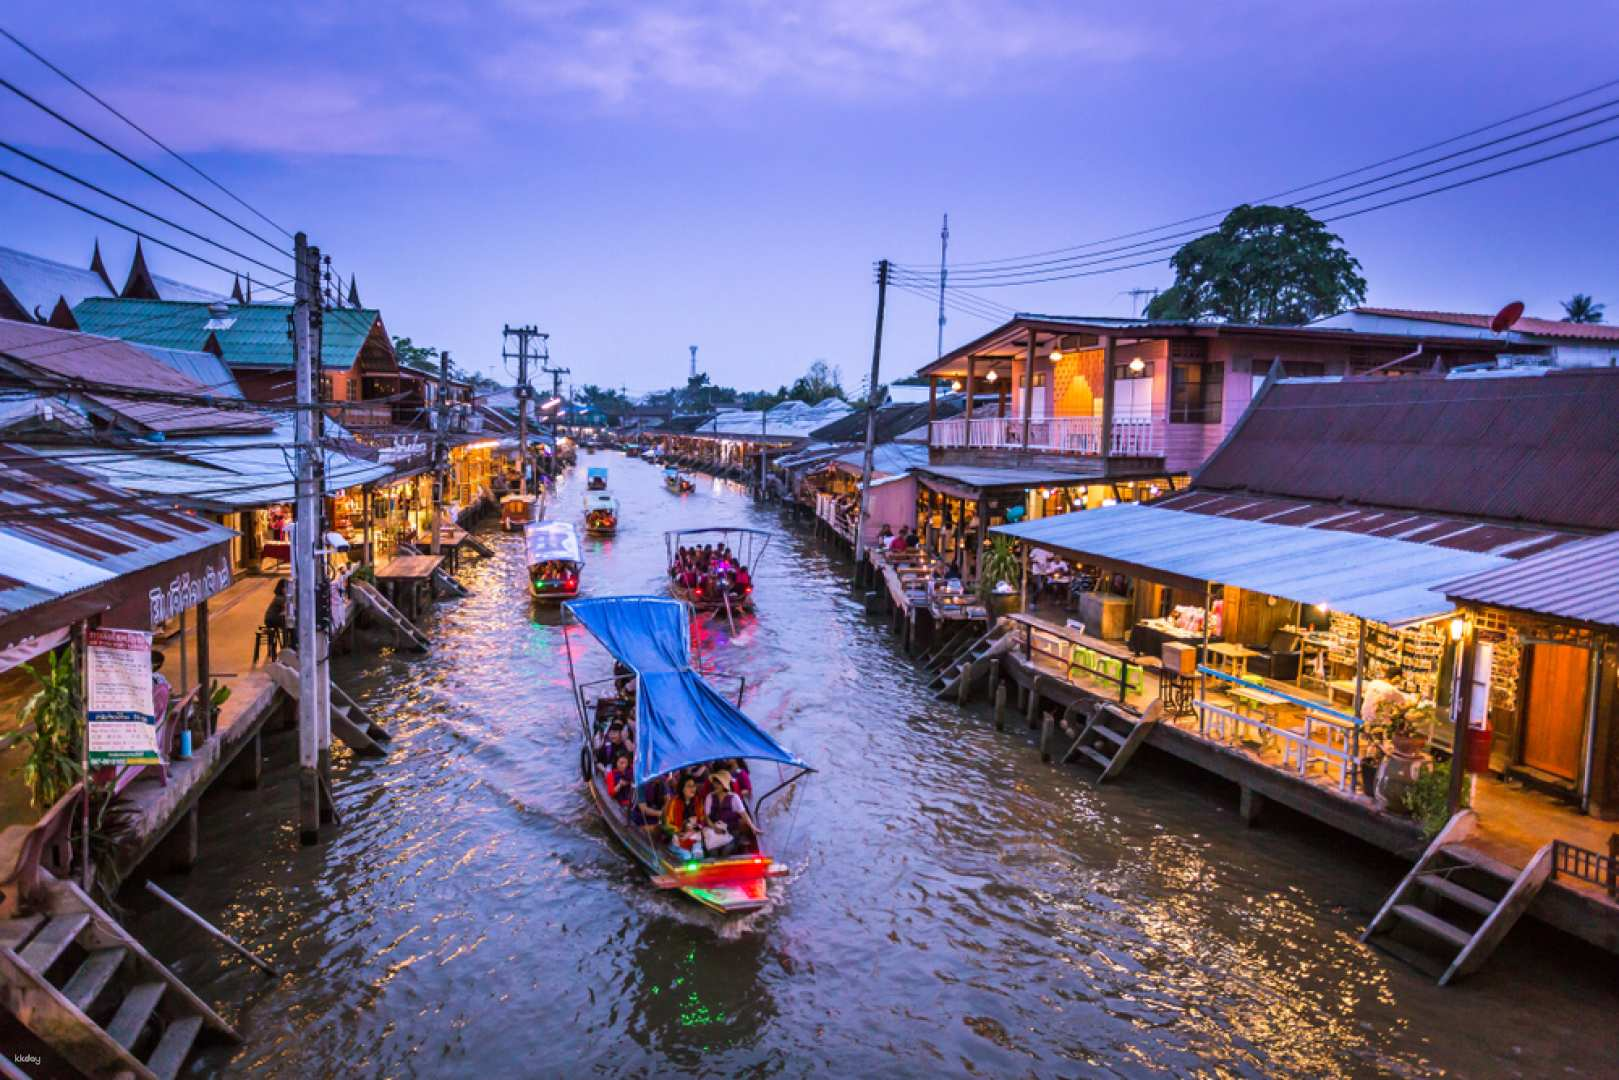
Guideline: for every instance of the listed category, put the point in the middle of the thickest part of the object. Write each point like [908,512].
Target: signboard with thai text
[122,719]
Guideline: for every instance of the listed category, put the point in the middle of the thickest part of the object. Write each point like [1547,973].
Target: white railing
[1132,436]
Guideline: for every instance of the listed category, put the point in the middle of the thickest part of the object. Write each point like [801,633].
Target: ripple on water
[953,906]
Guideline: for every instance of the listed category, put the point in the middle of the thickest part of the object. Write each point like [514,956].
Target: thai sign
[121,717]
[187,589]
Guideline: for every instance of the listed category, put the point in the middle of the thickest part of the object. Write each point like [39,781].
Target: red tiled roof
[109,361]
[1526,325]
[1541,448]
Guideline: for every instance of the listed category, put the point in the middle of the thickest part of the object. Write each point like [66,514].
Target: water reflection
[955,907]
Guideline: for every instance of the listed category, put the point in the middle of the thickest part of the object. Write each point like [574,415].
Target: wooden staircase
[484,549]
[964,663]
[378,605]
[350,722]
[77,979]
[1459,900]
[1111,736]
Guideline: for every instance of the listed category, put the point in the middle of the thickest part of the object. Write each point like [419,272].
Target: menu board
[120,715]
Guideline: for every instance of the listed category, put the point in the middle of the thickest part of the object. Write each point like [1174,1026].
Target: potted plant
[52,766]
[999,567]
[1409,726]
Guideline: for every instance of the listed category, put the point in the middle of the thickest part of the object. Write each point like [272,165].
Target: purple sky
[640,177]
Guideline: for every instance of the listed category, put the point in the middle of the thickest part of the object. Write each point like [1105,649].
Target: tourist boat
[747,547]
[555,561]
[518,511]
[596,478]
[680,720]
[675,480]
[601,513]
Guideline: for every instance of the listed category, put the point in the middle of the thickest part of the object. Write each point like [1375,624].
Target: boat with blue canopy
[679,735]
[596,478]
[677,481]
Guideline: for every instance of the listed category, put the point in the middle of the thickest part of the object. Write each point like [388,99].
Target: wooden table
[1236,656]
[1262,703]
[1346,687]
[408,573]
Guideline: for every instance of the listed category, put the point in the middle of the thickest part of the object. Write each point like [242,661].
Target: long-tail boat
[601,513]
[680,721]
[555,561]
[675,480]
[727,582]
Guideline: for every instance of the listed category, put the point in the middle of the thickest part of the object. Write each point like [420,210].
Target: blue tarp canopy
[595,471]
[680,720]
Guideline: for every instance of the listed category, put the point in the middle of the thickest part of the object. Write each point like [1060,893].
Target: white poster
[118,684]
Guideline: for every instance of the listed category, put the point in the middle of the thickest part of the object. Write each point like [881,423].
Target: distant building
[1537,342]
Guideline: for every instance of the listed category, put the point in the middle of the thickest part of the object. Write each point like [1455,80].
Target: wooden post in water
[1000,698]
[1048,728]
[1032,712]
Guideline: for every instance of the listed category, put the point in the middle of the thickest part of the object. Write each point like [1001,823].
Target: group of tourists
[697,812]
[710,570]
[904,540]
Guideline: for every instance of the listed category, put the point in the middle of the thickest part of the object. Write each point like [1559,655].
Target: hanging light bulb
[1138,365]
[1056,354]
[955,384]
[992,376]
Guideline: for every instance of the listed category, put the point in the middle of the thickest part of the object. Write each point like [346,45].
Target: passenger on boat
[623,680]
[615,742]
[740,781]
[683,821]
[741,582]
[621,781]
[728,817]
[648,809]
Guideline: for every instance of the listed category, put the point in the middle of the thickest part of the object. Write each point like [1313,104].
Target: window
[1122,371]
[1196,391]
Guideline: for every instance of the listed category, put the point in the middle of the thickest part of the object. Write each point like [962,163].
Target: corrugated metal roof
[1528,325]
[228,471]
[788,420]
[203,368]
[71,355]
[170,289]
[1388,581]
[892,420]
[37,283]
[990,476]
[62,532]
[1578,581]
[1541,447]
[1505,540]
[887,459]
[251,335]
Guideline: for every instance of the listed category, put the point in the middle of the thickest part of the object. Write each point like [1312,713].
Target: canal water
[955,907]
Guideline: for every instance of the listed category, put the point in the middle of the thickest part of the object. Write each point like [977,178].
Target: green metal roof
[253,335]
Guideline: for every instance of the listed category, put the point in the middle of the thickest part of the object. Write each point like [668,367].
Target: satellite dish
[1508,315]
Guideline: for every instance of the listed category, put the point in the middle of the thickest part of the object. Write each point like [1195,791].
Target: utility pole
[944,271]
[556,374]
[524,391]
[306,516]
[871,422]
[322,610]
[441,421]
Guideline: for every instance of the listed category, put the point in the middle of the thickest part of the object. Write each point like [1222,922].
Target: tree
[607,401]
[420,357]
[1582,309]
[820,382]
[1264,264]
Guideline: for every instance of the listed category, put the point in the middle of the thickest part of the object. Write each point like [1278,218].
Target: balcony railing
[1132,436]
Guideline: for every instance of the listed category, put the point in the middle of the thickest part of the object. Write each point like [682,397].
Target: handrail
[1273,690]
[1348,758]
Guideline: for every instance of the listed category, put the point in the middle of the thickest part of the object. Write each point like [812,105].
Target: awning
[1395,582]
[680,719]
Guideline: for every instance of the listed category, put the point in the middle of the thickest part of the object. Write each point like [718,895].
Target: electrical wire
[152,138]
[1303,187]
[105,145]
[42,163]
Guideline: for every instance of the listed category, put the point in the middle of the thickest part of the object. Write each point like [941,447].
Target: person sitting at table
[275,615]
[885,536]
[902,540]
[1040,570]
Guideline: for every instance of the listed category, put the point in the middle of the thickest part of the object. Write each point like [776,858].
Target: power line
[64,200]
[1303,187]
[42,163]
[153,138]
[171,185]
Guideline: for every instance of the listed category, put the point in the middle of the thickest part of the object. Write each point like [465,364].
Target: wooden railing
[1328,737]
[1132,436]
[1587,865]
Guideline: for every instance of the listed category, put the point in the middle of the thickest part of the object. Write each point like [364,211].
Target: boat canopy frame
[758,542]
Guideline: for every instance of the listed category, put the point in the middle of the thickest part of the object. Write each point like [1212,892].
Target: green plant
[366,573]
[112,827]
[1428,798]
[52,765]
[998,563]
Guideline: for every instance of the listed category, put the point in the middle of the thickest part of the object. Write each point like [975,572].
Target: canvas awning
[1395,582]
[680,720]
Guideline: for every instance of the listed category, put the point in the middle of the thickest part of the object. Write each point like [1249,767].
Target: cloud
[838,49]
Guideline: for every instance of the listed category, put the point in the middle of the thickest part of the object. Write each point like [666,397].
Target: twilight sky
[640,177]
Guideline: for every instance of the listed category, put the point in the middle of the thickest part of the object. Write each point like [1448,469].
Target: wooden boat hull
[730,886]
[703,603]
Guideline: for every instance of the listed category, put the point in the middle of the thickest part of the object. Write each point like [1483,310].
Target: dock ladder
[81,983]
[1458,898]
[1111,736]
[374,602]
[964,663]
